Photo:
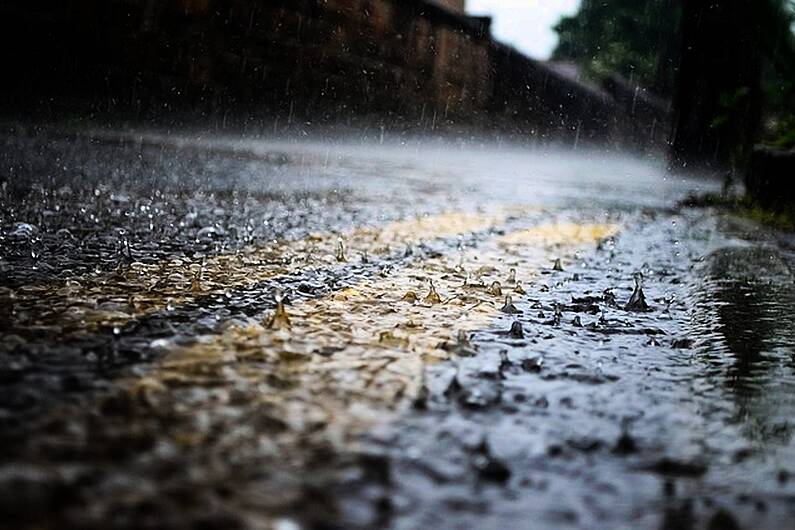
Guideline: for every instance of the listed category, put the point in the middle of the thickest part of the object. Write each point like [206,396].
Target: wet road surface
[211,332]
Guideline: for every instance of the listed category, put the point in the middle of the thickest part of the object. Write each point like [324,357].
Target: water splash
[511,277]
[460,266]
[340,255]
[279,319]
[558,315]
[637,302]
[410,297]
[432,297]
[508,307]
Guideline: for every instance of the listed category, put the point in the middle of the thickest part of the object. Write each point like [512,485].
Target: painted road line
[83,305]
[356,358]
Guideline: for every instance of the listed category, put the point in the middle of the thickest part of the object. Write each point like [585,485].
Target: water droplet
[279,319]
[432,297]
[340,255]
[495,289]
[557,266]
[509,308]
[461,346]
[278,296]
[511,276]
[533,364]
[410,297]
[558,316]
[637,302]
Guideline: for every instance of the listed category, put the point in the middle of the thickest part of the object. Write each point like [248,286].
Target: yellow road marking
[354,359]
[558,235]
[84,304]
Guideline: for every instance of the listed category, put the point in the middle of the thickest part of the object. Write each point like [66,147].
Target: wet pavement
[219,332]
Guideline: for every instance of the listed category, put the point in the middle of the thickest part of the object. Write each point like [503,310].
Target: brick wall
[406,63]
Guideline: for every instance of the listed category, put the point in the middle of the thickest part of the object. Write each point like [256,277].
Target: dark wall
[407,63]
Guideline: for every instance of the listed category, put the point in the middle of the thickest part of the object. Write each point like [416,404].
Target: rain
[381,264]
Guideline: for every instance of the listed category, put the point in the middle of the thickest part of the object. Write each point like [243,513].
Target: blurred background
[702,82]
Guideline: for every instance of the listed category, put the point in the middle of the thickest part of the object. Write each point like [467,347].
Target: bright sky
[525,24]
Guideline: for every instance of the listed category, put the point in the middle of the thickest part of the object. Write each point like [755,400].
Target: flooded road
[209,332]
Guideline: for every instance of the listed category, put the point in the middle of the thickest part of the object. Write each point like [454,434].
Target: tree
[635,38]
[724,63]
[720,98]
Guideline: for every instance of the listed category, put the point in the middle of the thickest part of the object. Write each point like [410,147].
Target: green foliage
[783,135]
[779,80]
[728,103]
[743,206]
[636,38]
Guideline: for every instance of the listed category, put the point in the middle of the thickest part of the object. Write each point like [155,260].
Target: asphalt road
[233,332]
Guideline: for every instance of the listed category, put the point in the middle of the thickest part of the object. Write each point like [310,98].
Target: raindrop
[195,284]
[124,250]
[279,319]
[637,302]
[341,250]
[511,276]
[509,308]
[558,316]
[495,289]
[460,266]
[557,266]
[533,364]
[432,297]
[461,346]
[410,297]
[516,330]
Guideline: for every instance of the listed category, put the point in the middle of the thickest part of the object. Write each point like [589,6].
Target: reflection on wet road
[416,336]
[746,336]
